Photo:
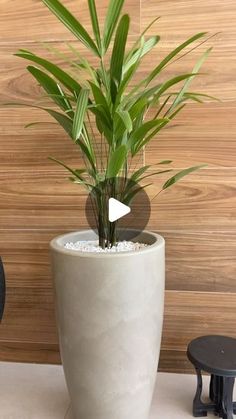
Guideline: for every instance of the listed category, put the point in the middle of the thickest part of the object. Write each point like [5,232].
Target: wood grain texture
[199,202]
[204,259]
[47,198]
[181,18]
[21,148]
[37,352]
[26,258]
[201,134]
[32,21]
[217,76]
[217,73]
[189,314]
[196,217]
[29,315]
[174,361]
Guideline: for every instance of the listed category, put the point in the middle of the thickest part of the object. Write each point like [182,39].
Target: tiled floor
[30,391]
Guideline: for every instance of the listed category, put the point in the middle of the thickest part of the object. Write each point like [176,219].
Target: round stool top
[214,354]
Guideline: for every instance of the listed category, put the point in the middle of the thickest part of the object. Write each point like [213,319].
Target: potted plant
[110,303]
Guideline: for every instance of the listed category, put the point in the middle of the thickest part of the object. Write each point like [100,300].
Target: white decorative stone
[93,246]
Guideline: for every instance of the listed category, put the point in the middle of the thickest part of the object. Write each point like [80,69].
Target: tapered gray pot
[109,313]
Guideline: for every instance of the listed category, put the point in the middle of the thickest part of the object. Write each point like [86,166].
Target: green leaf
[51,87]
[113,14]
[141,52]
[169,57]
[175,80]
[163,105]
[33,124]
[147,139]
[147,94]
[71,23]
[158,129]
[154,93]
[196,69]
[101,113]
[87,140]
[194,98]
[125,116]
[180,175]
[116,161]
[61,55]
[76,172]
[203,95]
[67,97]
[118,52]
[140,133]
[83,63]
[99,98]
[139,40]
[125,81]
[87,152]
[80,110]
[128,198]
[173,115]
[70,83]
[103,122]
[165,162]
[155,173]
[126,77]
[138,107]
[95,24]
[63,120]
[138,173]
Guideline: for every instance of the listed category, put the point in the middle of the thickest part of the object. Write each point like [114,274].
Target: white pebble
[93,246]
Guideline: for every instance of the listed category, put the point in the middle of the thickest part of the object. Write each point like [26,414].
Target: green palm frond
[109,121]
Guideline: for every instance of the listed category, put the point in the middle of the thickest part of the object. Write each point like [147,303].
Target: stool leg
[227,397]
[212,388]
[199,408]
[216,392]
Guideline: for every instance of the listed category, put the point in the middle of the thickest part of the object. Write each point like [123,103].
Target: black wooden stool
[217,356]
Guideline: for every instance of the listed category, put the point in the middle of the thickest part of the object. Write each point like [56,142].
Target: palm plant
[100,101]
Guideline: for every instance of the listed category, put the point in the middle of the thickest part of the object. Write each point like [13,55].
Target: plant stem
[101,235]
[112,238]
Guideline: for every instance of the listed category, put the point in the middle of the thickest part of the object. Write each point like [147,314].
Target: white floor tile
[29,391]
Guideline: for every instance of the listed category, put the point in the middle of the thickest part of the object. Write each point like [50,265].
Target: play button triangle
[117,210]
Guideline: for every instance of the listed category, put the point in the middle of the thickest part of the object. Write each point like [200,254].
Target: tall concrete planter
[109,313]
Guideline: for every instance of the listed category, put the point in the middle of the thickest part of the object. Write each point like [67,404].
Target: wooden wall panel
[212,127]
[201,202]
[46,353]
[33,145]
[191,314]
[196,217]
[203,260]
[32,21]
[217,77]
[29,315]
[179,18]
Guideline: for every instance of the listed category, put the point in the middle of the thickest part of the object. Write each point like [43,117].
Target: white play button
[117,210]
